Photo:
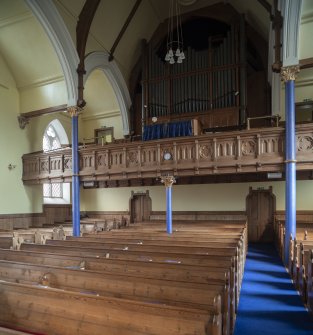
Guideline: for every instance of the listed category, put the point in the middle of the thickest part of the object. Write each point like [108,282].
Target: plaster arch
[53,24]
[100,60]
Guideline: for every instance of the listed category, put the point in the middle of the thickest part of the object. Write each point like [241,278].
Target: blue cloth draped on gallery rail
[165,130]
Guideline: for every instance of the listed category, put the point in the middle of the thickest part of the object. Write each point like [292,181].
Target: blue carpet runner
[269,303]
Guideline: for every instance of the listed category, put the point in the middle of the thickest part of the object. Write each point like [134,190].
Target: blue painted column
[169,228]
[168,183]
[289,76]
[75,169]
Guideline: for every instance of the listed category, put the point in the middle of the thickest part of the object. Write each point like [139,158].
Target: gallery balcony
[125,162]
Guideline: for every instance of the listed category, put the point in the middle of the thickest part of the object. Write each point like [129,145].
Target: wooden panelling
[200,215]
[51,215]
[249,151]
[107,215]
[57,214]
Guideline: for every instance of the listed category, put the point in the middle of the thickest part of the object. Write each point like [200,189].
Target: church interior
[159,175]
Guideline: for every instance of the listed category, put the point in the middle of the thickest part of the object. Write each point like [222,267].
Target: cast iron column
[288,75]
[73,111]
[168,182]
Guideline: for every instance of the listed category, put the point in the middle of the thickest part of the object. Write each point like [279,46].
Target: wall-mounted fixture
[11,167]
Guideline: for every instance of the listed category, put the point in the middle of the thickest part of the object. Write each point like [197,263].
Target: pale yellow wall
[214,197]
[102,108]
[306,28]
[47,94]
[15,198]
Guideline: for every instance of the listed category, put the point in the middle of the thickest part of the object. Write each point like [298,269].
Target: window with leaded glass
[51,142]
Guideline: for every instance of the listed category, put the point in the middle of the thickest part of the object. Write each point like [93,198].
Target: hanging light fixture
[175,46]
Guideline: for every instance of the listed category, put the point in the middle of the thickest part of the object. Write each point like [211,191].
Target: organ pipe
[207,79]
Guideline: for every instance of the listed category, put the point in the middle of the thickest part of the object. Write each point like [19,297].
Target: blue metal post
[168,182]
[290,225]
[75,178]
[169,229]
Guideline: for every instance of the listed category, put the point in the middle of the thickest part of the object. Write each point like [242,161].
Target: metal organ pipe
[206,79]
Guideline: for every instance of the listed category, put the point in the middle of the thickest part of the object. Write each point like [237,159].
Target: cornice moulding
[307,18]
[304,82]
[104,115]
[15,19]
[43,82]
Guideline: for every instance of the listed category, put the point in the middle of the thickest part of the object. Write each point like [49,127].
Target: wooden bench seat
[174,293]
[6,242]
[304,264]
[309,286]
[59,312]
[7,331]
[156,240]
[193,270]
[168,271]
[215,274]
[295,257]
[181,258]
[227,247]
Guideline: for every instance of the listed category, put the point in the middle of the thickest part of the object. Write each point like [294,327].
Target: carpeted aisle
[269,304]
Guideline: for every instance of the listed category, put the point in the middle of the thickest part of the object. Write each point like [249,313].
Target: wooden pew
[309,287]
[221,248]
[168,271]
[7,331]
[304,265]
[155,239]
[217,273]
[59,312]
[298,262]
[168,292]
[177,254]
[187,251]
[181,258]
[168,244]
[6,242]
[13,239]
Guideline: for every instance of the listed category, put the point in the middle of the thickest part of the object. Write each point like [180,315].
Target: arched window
[53,138]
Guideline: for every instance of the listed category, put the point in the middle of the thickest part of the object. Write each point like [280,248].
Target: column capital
[74,110]
[168,181]
[288,73]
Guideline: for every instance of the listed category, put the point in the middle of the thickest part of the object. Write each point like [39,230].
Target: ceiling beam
[266,5]
[120,35]
[82,31]
[306,63]
[24,118]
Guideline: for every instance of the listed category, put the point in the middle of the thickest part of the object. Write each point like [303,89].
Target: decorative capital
[288,73]
[22,121]
[168,181]
[73,110]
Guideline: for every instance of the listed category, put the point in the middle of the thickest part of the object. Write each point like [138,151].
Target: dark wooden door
[140,207]
[261,206]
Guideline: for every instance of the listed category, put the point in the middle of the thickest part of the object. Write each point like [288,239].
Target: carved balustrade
[254,150]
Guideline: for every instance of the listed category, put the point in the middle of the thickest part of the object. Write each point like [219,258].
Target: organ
[208,86]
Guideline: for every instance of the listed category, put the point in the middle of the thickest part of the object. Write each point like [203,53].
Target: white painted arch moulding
[60,38]
[100,60]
